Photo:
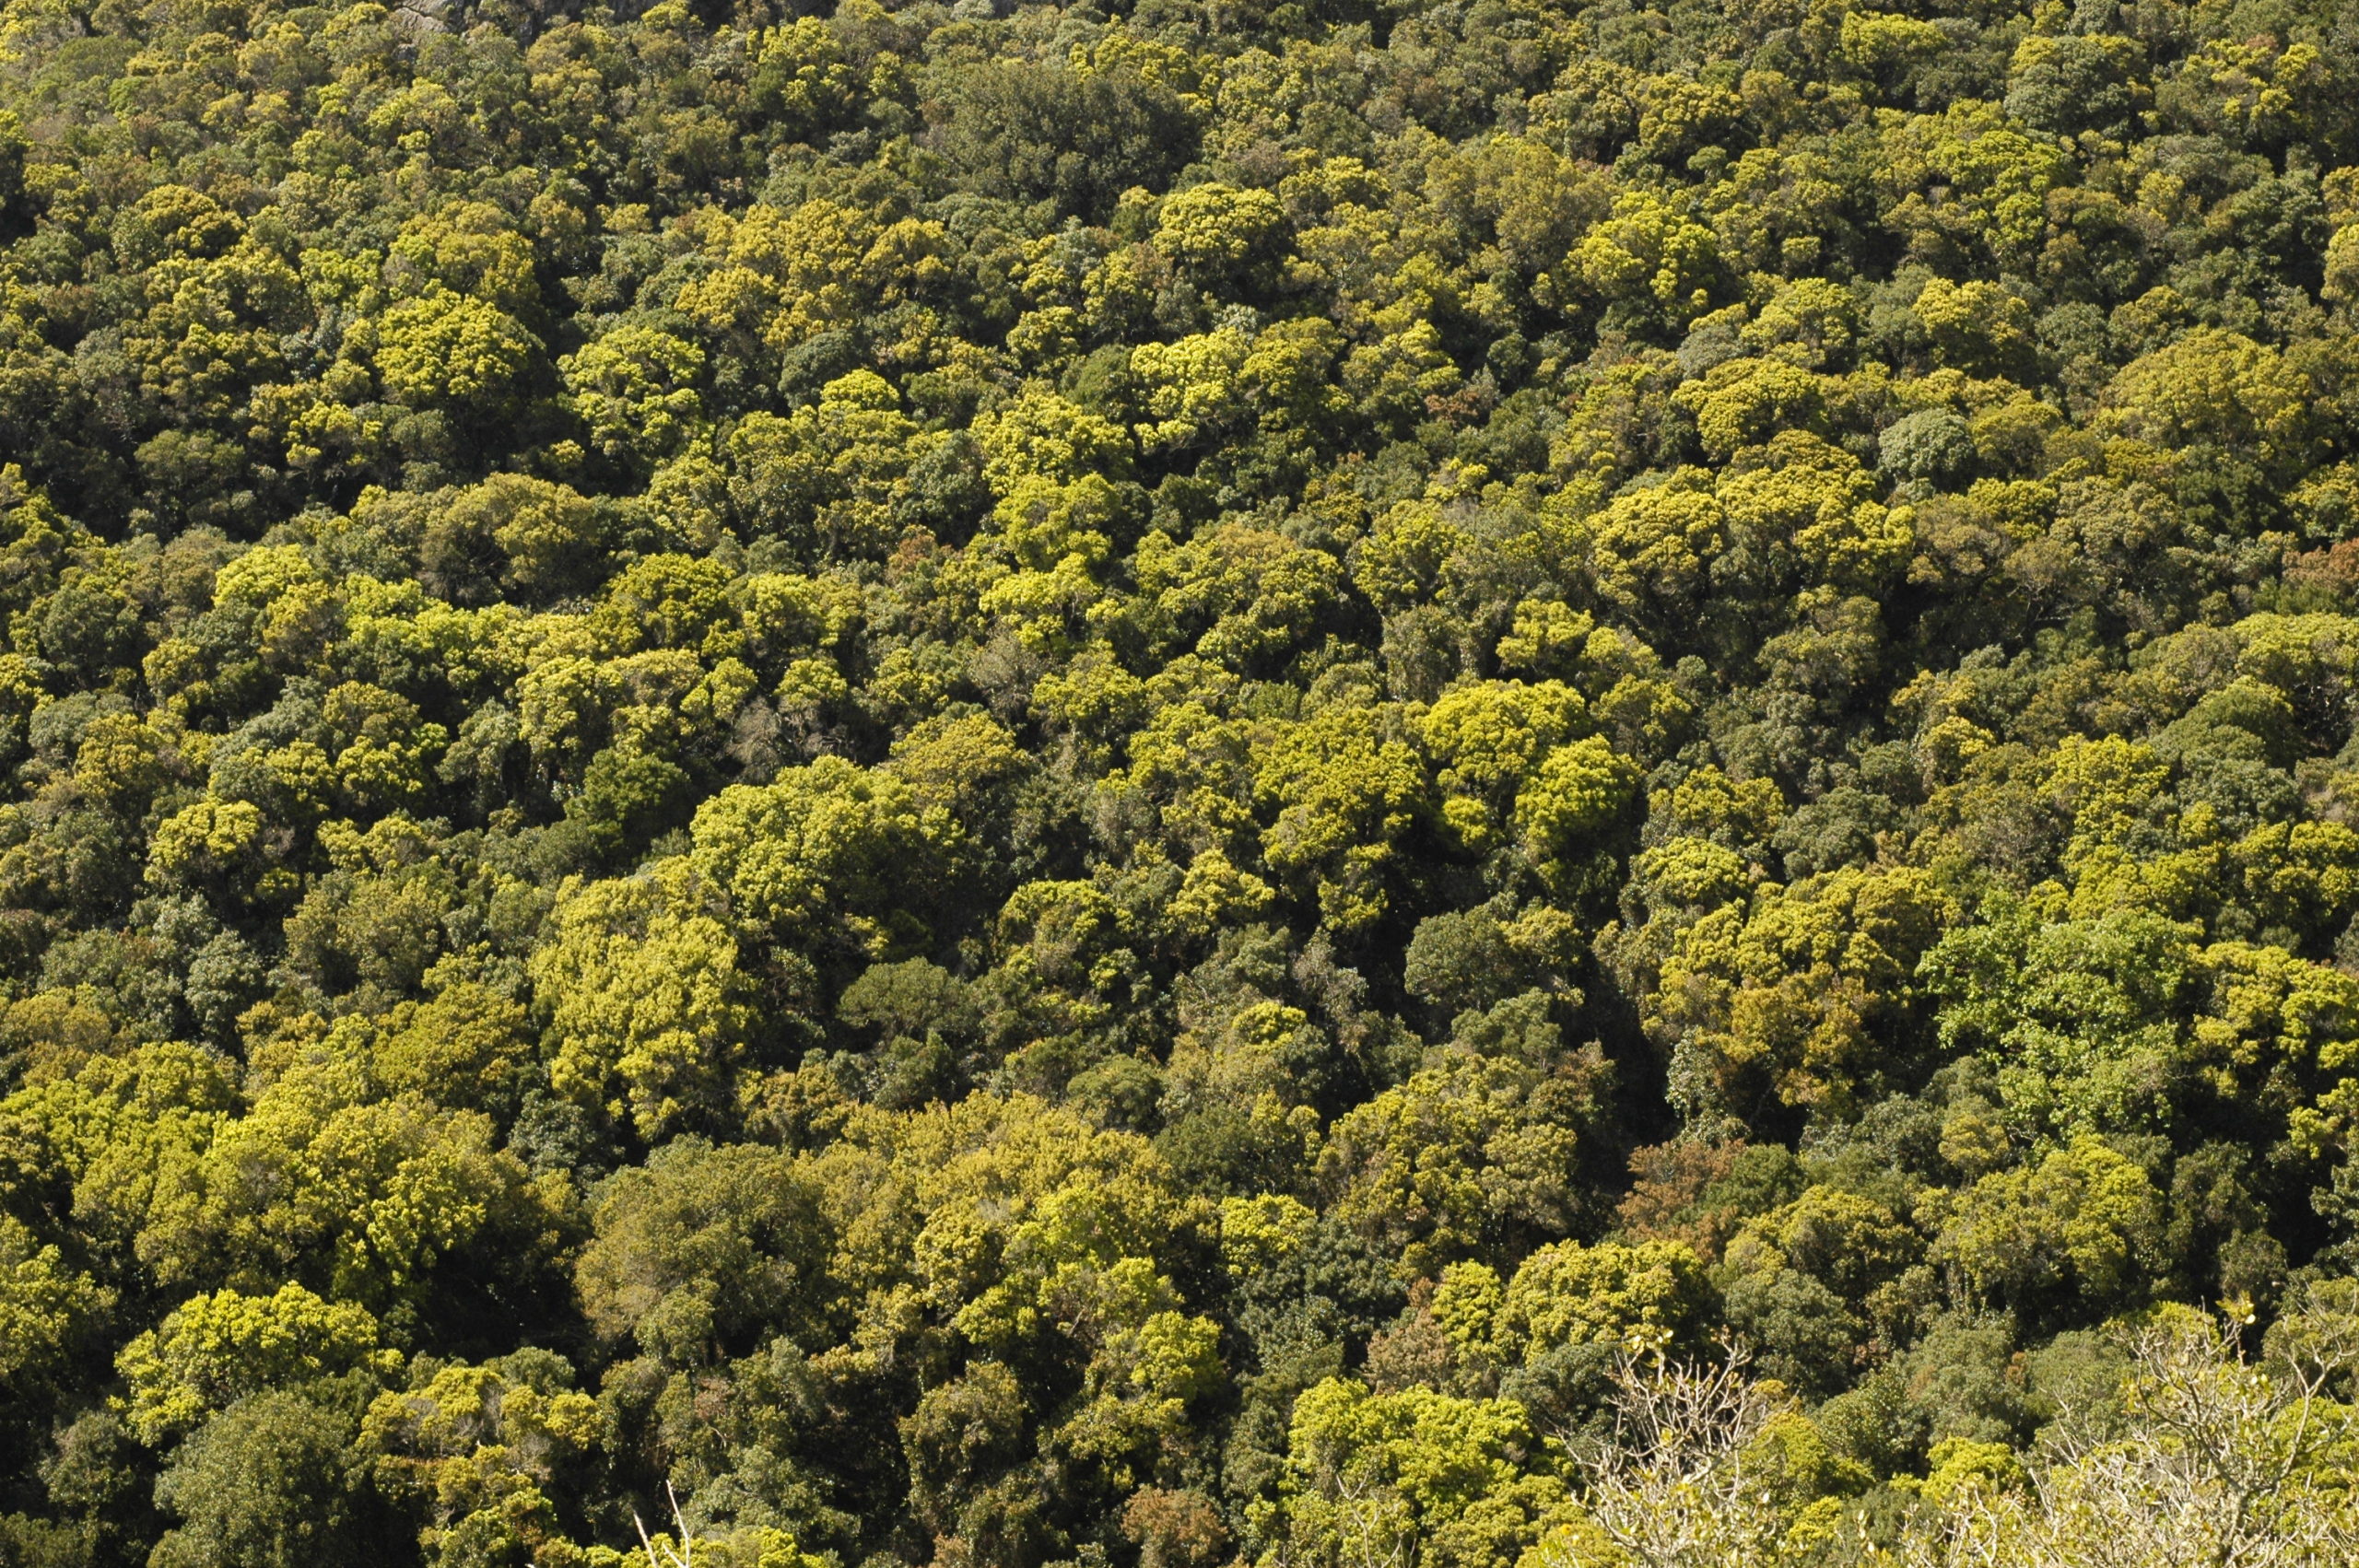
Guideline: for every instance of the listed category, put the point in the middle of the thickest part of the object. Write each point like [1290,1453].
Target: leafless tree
[2209,1459]
[2214,1463]
[662,1553]
[1674,1486]
[1372,1524]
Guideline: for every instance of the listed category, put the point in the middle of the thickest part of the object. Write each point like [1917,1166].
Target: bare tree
[1674,1486]
[2214,1463]
[1372,1524]
[664,1554]
[2208,1461]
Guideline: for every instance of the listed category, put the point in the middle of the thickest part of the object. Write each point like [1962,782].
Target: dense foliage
[1029,786]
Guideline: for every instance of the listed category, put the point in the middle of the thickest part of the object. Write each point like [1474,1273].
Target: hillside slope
[1035,786]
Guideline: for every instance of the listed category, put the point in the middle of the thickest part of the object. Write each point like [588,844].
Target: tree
[267,1485]
[2219,389]
[1797,985]
[2212,1460]
[1681,1480]
[2079,1226]
[46,1309]
[537,539]
[1471,1155]
[450,351]
[1074,140]
[1409,1478]
[214,1349]
[1344,788]
[1488,740]
[702,1251]
[649,1013]
[1007,753]
[825,855]
[635,389]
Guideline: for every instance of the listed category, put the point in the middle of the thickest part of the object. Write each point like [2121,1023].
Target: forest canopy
[1155,783]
